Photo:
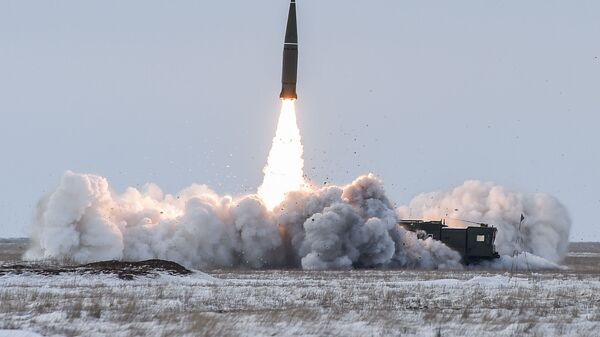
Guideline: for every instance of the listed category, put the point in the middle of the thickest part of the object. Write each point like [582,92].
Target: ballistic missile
[290,56]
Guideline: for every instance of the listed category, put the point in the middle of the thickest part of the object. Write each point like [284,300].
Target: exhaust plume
[335,227]
[284,170]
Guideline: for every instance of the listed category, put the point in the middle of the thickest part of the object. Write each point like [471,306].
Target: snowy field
[304,303]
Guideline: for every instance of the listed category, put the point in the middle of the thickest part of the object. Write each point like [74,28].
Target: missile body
[290,56]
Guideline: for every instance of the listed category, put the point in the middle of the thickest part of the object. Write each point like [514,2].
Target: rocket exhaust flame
[284,169]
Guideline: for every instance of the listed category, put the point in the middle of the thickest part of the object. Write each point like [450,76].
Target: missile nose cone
[291,32]
[290,56]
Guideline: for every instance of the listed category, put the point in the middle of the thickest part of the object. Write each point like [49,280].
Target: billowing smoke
[544,231]
[83,220]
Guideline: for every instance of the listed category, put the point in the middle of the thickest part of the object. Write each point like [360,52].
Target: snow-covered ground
[304,303]
[18,333]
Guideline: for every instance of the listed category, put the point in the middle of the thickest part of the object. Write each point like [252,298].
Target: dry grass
[317,309]
[292,302]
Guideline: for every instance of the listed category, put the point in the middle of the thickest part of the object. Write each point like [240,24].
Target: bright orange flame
[284,170]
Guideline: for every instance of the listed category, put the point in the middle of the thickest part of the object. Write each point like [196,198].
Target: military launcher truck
[474,243]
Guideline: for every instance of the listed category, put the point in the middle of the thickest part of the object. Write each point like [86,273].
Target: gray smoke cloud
[544,232]
[334,227]
[352,226]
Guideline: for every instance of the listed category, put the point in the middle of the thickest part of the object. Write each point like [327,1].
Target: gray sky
[426,94]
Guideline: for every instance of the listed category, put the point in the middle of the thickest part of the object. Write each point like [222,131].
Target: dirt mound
[124,270]
[137,268]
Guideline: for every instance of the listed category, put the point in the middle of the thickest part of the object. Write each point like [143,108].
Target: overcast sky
[426,94]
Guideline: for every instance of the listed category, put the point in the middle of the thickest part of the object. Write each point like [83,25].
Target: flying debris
[290,57]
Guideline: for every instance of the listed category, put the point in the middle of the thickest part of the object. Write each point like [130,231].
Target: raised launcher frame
[474,243]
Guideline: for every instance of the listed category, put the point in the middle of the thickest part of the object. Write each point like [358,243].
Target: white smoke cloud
[75,221]
[315,228]
[545,231]
[333,227]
